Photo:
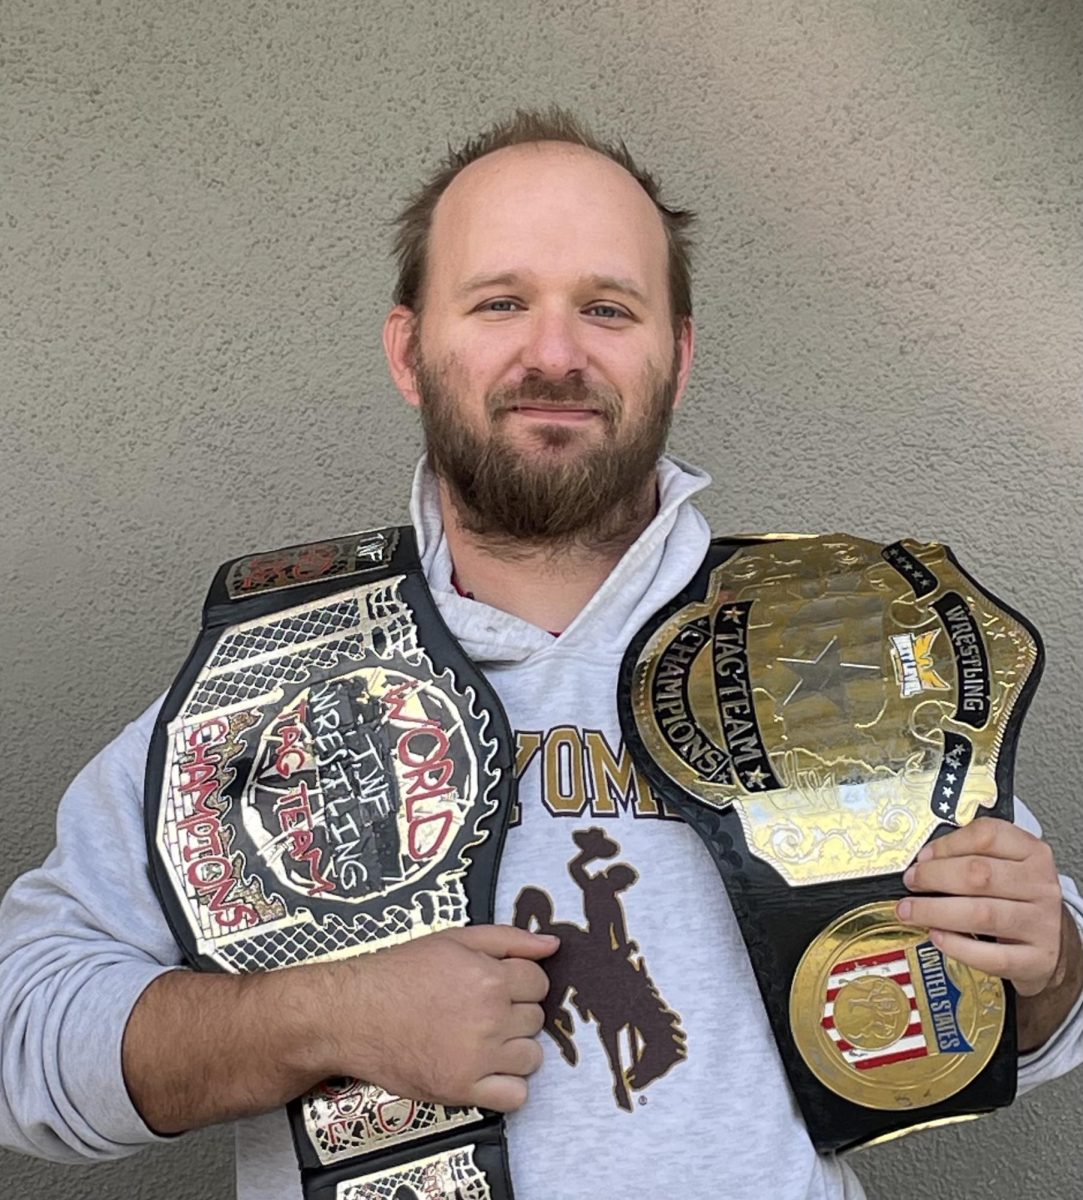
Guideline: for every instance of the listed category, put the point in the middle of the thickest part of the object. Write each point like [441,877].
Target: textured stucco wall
[194,200]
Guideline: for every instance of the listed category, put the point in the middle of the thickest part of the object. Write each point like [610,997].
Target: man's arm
[997,880]
[81,938]
[451,1017]
[95,1014]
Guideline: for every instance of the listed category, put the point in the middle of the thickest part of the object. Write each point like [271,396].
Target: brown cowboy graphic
[600,972]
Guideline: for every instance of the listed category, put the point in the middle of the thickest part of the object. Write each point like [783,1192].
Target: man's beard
[512,495]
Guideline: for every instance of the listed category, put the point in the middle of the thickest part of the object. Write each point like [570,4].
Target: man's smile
[562,416]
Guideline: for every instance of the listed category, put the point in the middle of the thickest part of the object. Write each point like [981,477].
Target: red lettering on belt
[295,820]
[209,871]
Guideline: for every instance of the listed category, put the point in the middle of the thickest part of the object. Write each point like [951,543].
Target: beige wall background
[194,226]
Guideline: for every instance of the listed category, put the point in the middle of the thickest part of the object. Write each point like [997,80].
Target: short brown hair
[554,124]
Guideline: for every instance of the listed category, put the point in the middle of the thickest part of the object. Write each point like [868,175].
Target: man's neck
[546,586]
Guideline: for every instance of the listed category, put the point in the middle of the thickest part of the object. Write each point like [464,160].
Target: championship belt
[818,709]
[330,775]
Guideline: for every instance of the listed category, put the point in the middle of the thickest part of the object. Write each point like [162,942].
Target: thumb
[506,941]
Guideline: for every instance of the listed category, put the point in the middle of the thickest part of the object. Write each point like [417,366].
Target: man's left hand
[996,879]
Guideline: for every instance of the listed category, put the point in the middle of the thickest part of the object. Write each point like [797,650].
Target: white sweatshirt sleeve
[1064,1050]
[81,937]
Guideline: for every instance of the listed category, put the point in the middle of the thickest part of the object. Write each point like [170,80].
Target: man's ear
[400,346]
[685,350]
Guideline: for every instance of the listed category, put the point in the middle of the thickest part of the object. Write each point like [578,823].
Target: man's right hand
[451,1017]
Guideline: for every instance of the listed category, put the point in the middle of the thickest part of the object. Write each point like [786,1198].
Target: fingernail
[908,876]
[925,853]
[903,910]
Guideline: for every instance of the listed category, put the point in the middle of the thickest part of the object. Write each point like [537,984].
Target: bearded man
[543,329]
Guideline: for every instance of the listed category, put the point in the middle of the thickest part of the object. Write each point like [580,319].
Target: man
[543,329]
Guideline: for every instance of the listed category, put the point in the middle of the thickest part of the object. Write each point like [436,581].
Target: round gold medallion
[872,1012]
[884,1019]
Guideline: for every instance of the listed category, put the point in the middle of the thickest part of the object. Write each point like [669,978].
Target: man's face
[545,362]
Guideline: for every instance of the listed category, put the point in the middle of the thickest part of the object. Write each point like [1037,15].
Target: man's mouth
[554,413]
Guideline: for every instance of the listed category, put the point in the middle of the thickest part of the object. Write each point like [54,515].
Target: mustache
[554,393]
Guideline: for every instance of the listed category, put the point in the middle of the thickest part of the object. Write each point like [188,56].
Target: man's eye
[609,311]
[498,306]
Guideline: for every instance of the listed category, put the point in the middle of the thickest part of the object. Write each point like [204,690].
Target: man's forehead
[561,199]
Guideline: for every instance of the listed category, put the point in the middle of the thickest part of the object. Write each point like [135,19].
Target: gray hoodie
[660,1071]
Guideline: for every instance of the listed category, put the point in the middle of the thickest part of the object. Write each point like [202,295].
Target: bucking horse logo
[599,972]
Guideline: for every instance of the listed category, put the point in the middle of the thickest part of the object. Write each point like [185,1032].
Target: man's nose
[554,346]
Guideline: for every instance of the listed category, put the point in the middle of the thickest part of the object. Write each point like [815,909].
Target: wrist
[1039,1015]
[334,1013]
[287,1004]
[1068,973]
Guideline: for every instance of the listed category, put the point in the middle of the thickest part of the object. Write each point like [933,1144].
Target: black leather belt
[330,775]
[817,709]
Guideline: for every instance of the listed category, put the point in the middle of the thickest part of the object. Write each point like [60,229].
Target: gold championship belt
[819,708]
[330,775]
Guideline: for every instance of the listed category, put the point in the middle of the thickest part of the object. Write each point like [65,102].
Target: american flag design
[892,965]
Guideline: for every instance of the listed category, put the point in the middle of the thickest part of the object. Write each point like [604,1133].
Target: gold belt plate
[846,697]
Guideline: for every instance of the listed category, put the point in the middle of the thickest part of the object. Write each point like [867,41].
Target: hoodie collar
[655,567]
